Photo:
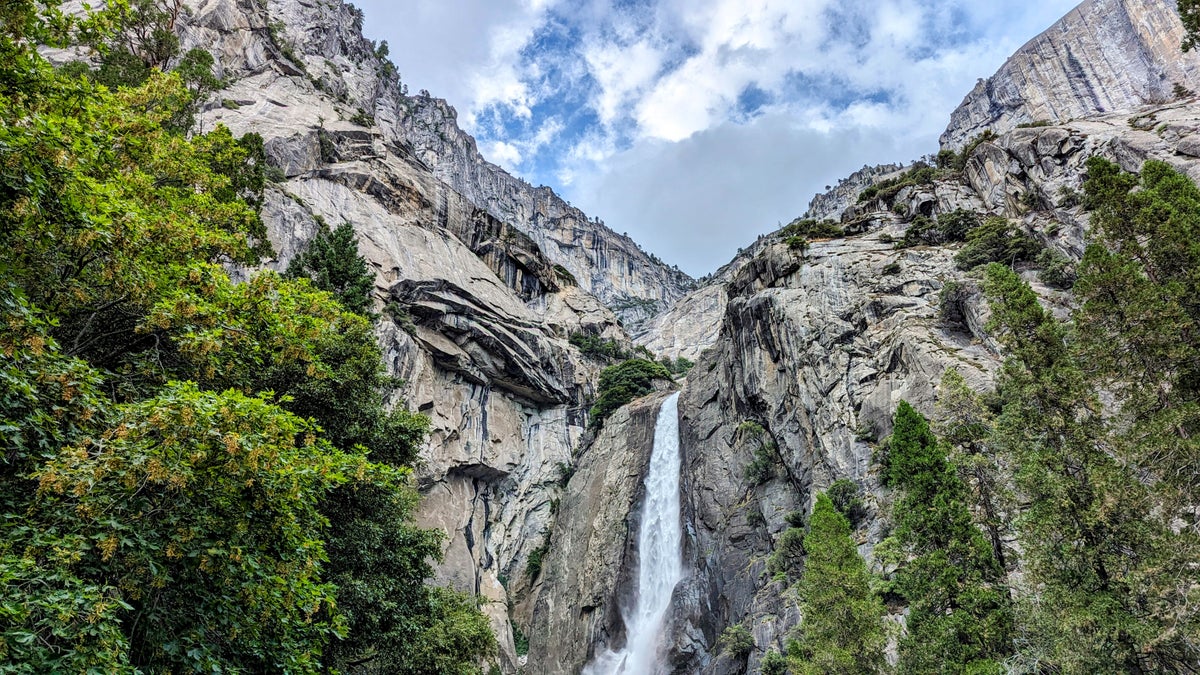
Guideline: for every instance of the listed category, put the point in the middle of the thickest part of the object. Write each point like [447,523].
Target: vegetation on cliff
[197,474]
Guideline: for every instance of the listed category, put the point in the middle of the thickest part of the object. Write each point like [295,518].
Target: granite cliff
[1104,56]
[481,280]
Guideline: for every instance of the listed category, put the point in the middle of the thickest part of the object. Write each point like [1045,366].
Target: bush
[788,554]
[808,228]
[622,383]
[533,566]
[762,468]
[1057,269]
[951,299]
[520,640]
[774,664]
[996,240]
[598,348]
[737,640]
[844,494]
[891,269]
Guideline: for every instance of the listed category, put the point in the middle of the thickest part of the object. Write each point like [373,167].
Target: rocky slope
[1104,56]
[302,74]
[818,349]
[480,278]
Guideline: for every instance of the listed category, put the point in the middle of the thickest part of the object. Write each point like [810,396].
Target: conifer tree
[842,632]
[1091,544]
[960,618]
[333,264]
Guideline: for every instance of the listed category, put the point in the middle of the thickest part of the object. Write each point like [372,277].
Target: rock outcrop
[591,562]
[1104,56]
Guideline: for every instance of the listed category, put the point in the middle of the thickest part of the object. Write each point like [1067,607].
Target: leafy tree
[199,510]
[960,617]
[737,640]
[333,264]
[842,632]
[622,383]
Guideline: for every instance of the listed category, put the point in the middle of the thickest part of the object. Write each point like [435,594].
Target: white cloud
[674,146]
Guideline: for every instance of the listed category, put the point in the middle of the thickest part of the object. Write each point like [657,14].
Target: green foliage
[598,348]
[679,366]
[201,509]
[959,615]
[520,641]
[1189,11]
[797,244]
[788,556]
[533,564]
[622,383]
[844,493]
[564,276]
[773,663]
[762,467]
[960,161]
[737,640]
[332,262]
[952,305]
[996,240]
[807,228]
[843,629]
[1089,534]
[892,269]
[230,522]
[886,190]
[1057,269]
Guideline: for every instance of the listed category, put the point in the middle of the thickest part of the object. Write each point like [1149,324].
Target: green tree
[959,614]
[842,632]
[622,383]
[1088,534]
[1189,11]
[332,262]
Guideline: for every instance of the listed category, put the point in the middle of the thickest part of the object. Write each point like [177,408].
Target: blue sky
[695,125]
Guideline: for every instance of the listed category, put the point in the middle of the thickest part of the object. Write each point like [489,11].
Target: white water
[660,559]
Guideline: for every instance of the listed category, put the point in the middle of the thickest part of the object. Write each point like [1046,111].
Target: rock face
[480,278]
[591,562]
[305,69]
[1104,56]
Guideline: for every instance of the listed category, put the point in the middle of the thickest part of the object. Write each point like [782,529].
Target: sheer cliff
[481,279]
[1104,56]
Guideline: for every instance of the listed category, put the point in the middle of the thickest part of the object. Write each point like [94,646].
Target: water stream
[660,561]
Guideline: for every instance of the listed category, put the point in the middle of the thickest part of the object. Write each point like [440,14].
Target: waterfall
[660,558]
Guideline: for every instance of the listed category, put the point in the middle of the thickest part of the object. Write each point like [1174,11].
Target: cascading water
[660,566]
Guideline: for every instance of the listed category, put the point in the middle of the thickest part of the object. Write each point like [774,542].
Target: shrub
[951,299]
[996,240]
[762,468]
[622,383]
[962,158]
[520,640]
[598,348]
[774,664]
[788,554]
[891,268]
[844,494]
[797,243]
[533,566]
[737,640]
[809,228]
[1057,269]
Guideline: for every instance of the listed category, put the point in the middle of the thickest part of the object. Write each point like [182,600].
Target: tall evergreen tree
[333,264]
[1091,544]
[960,617]
[842,632]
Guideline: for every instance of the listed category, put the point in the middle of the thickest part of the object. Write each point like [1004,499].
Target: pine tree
[1091,546]
[960,617]
[843,629]
[333,264]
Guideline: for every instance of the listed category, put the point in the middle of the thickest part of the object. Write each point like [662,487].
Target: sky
[696,125]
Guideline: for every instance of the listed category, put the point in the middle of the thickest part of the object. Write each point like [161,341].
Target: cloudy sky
[695,125]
